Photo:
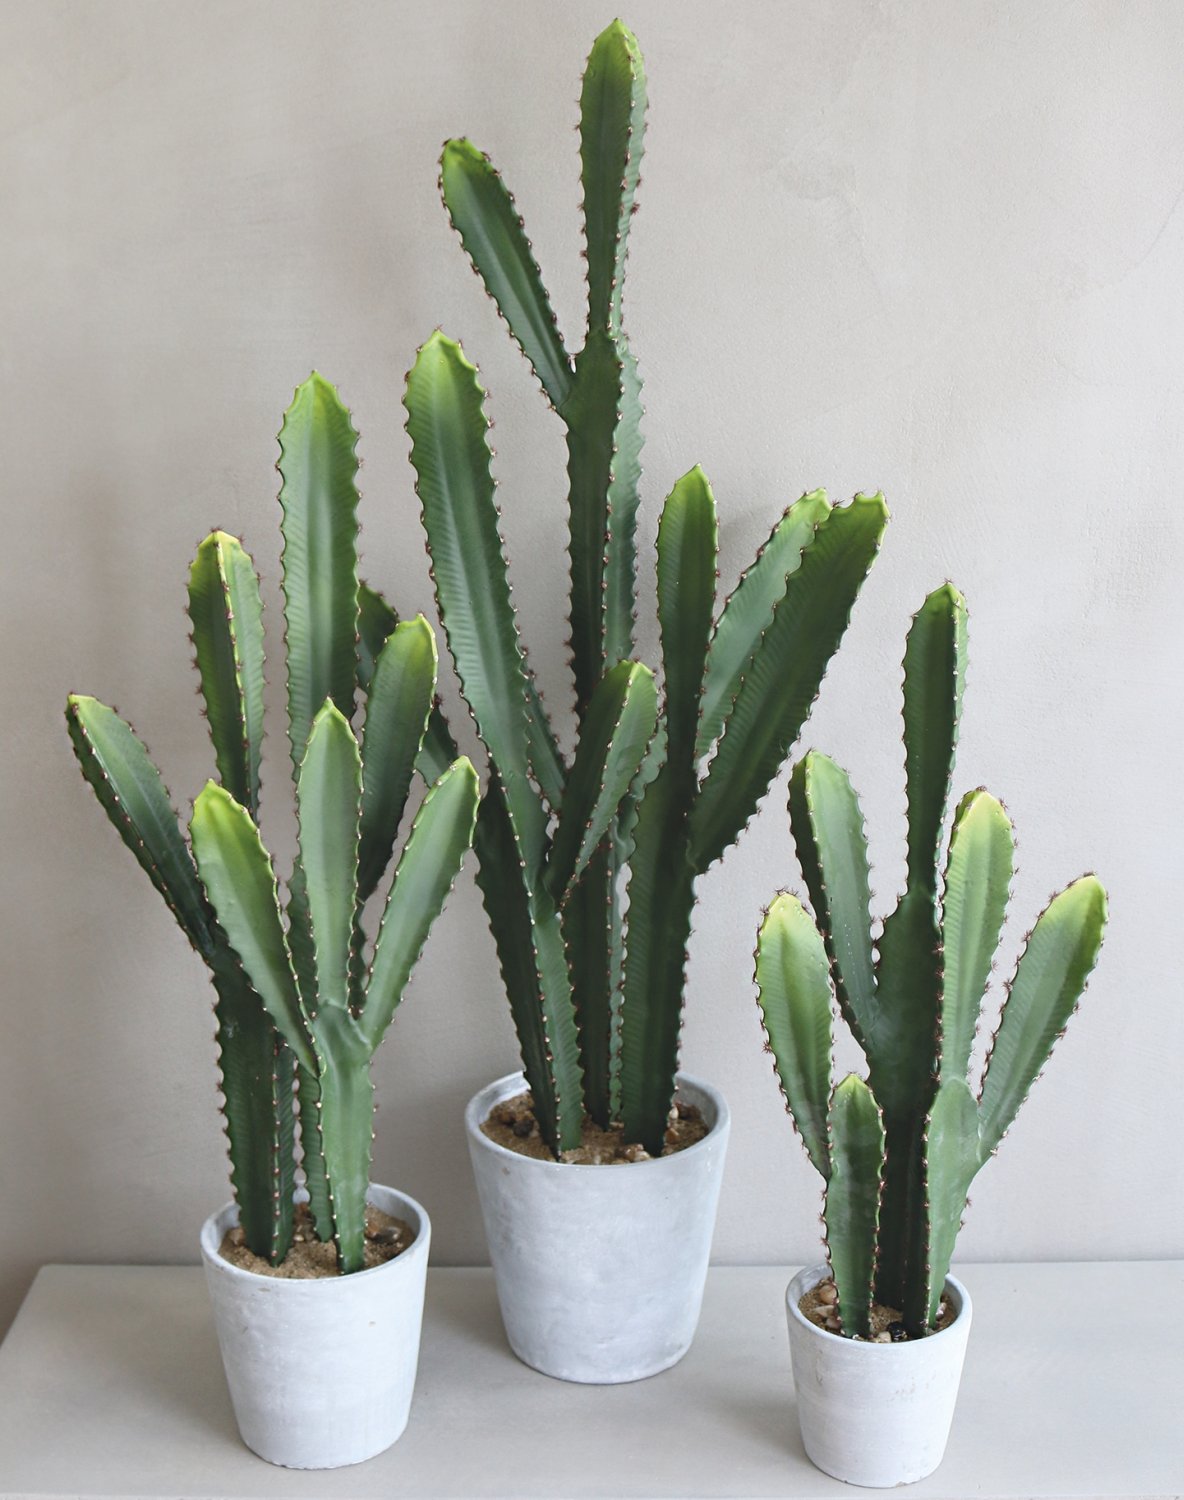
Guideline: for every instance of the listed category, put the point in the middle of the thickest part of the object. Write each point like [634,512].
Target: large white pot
[599,1269]
[320,1371]
[875,1414]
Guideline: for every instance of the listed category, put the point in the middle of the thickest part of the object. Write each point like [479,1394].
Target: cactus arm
[240,883]
[397,712]
[616,731]
[856,1145]
[794,993]
[312,1145]
[592,933]
[612,127]
[256,1069]
[346,1114]
[785,672]
[688,544]
[661,886]
[376,621]
[121,775]
[828,832]
[951,1160]
[227,617]
[328,800]
[977,881]
[603,418]
[548,765]
[534,970]
[934,677]
[319,498]
[484,215]
[427,869]
[447,423]
[748,612]
[1049,979]
[661,898]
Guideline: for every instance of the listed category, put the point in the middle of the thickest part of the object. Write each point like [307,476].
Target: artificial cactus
[293,995]
[899,1151]
[597,994]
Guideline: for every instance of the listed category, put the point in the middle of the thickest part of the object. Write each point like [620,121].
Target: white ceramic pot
[875,1414]
[599,1270]
[320,1371]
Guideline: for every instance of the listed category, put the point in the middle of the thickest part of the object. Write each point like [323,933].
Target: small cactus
[596,994]
[294,997]
[899,1151]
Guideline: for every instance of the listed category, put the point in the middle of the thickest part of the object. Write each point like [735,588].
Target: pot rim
[210,1241]
[511,1083]
[808,1278]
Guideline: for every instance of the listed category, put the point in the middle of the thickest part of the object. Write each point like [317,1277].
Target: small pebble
[388,1235]
[897,1332]
[671,1135]
[882,1338]
[828,1292]
[237,1237]
[522,1128]
[685,1111]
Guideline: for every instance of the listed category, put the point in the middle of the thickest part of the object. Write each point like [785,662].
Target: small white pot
[599,1269]
[320,1371]
[875,1414]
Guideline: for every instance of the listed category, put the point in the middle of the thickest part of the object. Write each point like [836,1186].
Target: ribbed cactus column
[899,1152]
[292,987]
[597,999]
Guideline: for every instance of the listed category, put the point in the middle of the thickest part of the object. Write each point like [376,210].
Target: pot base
[321,1371]
[876,1415]
[599,1269]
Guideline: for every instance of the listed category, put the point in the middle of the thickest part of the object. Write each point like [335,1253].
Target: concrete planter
[599,1270]
[320,1372]
[875,1414]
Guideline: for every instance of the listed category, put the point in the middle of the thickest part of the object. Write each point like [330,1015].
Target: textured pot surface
[599,1270]
[875,1414]
[321,1372]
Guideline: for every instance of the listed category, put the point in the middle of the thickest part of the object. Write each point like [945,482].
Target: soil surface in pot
[512,1124]
[309,1259]
[820,1305]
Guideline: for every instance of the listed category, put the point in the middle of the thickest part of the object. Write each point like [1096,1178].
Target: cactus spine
[899,1151]
[597,997]
[293,994]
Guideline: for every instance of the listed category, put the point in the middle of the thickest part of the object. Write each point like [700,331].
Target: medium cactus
[899,1151]
[321,1014]
[598,1007]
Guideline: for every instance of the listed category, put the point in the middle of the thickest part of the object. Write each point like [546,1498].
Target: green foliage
[596,994]
[893,1209]
[293,997]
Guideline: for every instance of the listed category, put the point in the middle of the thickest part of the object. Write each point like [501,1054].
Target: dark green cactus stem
[915,1010]
[333,1044]
[575,966]
[295,998]
[257,1104]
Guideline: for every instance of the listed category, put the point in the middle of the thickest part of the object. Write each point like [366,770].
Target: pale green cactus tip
[657,790]
[914,1000]
[294,996]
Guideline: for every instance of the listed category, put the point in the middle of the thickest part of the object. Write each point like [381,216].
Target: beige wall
[935,248]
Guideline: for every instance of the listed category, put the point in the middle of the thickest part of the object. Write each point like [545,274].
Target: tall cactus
[899,1151]
[294,994]
[597,996]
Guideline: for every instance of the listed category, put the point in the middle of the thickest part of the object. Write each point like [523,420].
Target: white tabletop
[110,1385]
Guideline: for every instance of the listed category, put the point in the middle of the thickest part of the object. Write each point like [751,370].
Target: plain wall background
[904,244]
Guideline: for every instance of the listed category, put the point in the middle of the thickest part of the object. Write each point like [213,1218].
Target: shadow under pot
[875,1414]
[321,1371]
[599,1269]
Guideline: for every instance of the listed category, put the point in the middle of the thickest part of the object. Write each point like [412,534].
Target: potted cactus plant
[298,1006]
[899,1151]
[655,791]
